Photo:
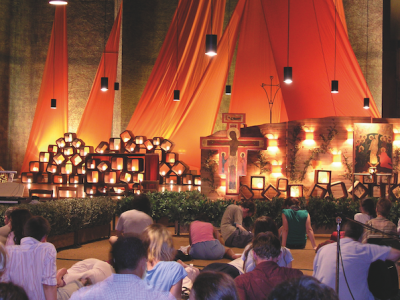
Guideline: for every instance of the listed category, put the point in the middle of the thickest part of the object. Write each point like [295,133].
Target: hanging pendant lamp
[366,103]
[104,79]
[58,2]
[228,87]
[335,83]
[53,103]
[177,92]
[366,99]
[211,40]
[287,71]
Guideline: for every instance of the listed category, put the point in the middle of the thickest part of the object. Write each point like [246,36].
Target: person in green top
[296,225]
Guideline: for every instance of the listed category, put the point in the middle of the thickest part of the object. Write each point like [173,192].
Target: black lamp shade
[228,90]
[287,74]
[177,95]
[366,103]
[211,44]
[116,86]
[53,104]
[104,84]
[335,87]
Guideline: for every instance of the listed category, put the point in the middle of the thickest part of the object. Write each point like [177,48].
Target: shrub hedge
[72,214]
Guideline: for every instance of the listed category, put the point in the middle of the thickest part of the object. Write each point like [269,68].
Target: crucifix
[232,150]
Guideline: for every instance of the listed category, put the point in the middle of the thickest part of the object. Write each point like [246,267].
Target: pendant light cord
[334,72]
[54,57]
[104,49]
[177,45]
[288,26]
[366,58]
[229,31]
[211,15]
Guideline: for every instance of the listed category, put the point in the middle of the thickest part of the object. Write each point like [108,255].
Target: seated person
[10,291]
[215,286]
[6,229]
[264,224]
[32,265]
[232,230]
[205,244]
[380,222]
[303,288]
[296,226]
[129,257]
[259,283]
[134,221]
[18,219]
[367,211]
[163,274]
[93,269]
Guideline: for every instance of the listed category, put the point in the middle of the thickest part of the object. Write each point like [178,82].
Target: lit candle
[163,173]
[101,151]
[35,169]
[111,180]
[179,172]
[189,182]
[133,168]
[167,148]
[119,167]
[45,159]
[94,179]
[172,182]
[259,185]
[91,191]
[116,147]
[60,180]
[29,180]
[83,171]
[84,153]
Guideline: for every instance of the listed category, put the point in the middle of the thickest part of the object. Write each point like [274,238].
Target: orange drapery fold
[312,53]
[50,124]
[96,122]
[254,66]
[156,114]
[199,117]
[342,16]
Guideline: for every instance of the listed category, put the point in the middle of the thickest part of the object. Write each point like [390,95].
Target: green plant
[262,162]
[293,148]
[348,172]
[210,165]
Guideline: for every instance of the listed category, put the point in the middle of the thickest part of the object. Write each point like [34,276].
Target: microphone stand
[338,221]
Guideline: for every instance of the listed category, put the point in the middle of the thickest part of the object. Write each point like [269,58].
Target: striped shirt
[30,265]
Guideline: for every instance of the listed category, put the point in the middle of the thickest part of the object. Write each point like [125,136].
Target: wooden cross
[233,150]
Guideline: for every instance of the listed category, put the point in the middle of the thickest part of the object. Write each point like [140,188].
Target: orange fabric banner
[96,122]
[50,124]
[342,16]
[199,117]
[255,65]
[156,114]
[312,57]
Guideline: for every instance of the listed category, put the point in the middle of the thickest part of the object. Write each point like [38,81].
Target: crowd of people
[144,263]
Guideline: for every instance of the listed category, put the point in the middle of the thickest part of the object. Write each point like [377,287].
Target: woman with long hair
[18,220]
[162,273]
[296,226]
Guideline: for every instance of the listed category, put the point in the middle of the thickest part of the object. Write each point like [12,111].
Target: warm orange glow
[190,182]
[309,135]
[323,177]
[337,158]
[140,177]
[272,143]
[276,169]
[349,135]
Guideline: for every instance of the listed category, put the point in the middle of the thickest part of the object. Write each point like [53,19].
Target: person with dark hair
[355,262]
[367,211]
[32,265]
[213,286]
[6,229]
[134,221]
[10,291]
[303,288]
[380,222]
[18,219]
[258,283]
[232,230]
[264,224]
[296,226]
[129,259]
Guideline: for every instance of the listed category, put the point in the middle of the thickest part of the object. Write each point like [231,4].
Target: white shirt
[362,218]
[121,287]
[30,265]
[94,269]
[357,258]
